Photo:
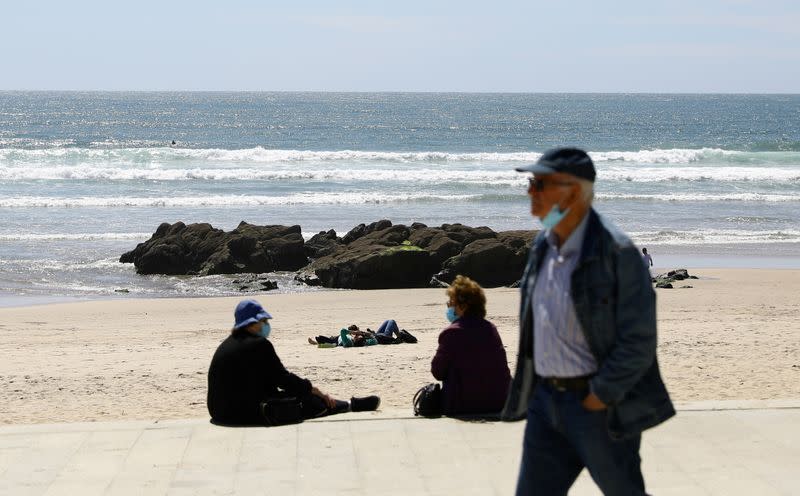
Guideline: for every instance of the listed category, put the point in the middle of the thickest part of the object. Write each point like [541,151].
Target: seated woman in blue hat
[245,372]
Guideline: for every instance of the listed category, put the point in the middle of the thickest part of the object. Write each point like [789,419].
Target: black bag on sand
[406,336]
[428,400]
[282,411]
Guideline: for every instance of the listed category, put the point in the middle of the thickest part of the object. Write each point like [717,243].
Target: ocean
[701,180]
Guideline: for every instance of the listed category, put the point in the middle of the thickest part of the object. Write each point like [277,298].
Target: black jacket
[246,370]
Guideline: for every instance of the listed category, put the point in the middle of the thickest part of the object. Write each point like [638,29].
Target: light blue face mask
[451,314]
[553,217]
[265,330]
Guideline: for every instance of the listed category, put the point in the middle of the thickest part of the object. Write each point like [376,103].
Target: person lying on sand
[387,333]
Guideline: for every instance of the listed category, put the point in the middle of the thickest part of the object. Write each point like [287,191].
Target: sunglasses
[539,184]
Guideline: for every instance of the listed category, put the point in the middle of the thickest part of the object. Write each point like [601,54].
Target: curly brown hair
[468,293]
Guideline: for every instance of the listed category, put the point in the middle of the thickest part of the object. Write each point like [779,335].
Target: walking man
[587,377]
[647,259]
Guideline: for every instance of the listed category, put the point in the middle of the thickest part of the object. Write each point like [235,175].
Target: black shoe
[406,336]
[365,404]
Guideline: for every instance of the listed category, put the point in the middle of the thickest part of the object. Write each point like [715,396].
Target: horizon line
[787,93]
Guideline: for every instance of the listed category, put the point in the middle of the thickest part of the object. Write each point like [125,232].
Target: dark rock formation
[322,244]
[175,249]
[491,262]
[201,249]
[361,230]
[254,282]
[370,256]
[382,255]
[269,285]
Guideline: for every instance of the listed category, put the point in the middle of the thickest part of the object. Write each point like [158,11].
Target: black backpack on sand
[428,400]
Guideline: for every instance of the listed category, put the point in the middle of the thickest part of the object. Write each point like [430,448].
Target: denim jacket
[616,306]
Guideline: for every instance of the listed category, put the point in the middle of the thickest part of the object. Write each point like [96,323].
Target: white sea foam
[228,200]
[717,174]
[715,236]
[85,172]
[73,237]
[667,156]
[260,155]
[715,197]
[353,198]
[132,156]
[54,265]
[427,175]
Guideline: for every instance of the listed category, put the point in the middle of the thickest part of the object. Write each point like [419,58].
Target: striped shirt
[559,345]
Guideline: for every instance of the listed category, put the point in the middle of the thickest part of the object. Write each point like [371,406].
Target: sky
[676,46]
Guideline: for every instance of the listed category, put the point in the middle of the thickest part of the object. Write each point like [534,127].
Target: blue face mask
[554,216]
[265,330]
[451,314]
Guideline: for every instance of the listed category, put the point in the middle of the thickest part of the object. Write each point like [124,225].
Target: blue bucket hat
[247,312]
[573,161]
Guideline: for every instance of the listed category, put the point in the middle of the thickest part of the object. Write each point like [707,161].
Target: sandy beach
[734,335]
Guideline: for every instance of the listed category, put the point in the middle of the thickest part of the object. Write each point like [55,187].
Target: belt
[574,384]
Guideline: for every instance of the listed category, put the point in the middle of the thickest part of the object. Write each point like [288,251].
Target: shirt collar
[574,242]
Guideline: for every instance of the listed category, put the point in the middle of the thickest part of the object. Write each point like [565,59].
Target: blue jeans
[561,437]
[388,328]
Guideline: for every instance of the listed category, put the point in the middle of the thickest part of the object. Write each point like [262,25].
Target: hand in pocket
[592,403]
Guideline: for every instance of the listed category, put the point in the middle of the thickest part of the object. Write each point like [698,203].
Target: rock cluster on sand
[665,281]
[373,256]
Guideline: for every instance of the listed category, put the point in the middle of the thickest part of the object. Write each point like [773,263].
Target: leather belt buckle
[573,384]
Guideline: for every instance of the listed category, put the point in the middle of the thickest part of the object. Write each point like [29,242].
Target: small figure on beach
[388,333]
[471,360]
[357,338]
[646,258]
[348,338]
[587,377]
[245,372]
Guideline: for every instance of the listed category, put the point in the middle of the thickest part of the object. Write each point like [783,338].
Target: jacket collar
[591,238]
[591,241]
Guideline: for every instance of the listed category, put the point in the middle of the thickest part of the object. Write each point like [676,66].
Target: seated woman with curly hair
[470,361]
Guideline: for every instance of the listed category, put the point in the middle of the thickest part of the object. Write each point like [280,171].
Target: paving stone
[713,452]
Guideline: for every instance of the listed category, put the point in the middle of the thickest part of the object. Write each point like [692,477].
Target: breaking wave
[715,236]
[228,200]
[73,237]
[355,198]
[260,155]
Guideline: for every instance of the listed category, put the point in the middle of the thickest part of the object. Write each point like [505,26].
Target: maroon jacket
[471,363]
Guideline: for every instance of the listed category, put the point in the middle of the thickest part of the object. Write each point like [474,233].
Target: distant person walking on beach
[471,360]
[245,371]
[646,258]
[587,377]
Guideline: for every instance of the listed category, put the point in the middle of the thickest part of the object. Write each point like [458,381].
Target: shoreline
[666,257]
[724,256]
[733,336]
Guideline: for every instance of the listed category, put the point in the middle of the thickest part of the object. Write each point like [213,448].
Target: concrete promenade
[710,448]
